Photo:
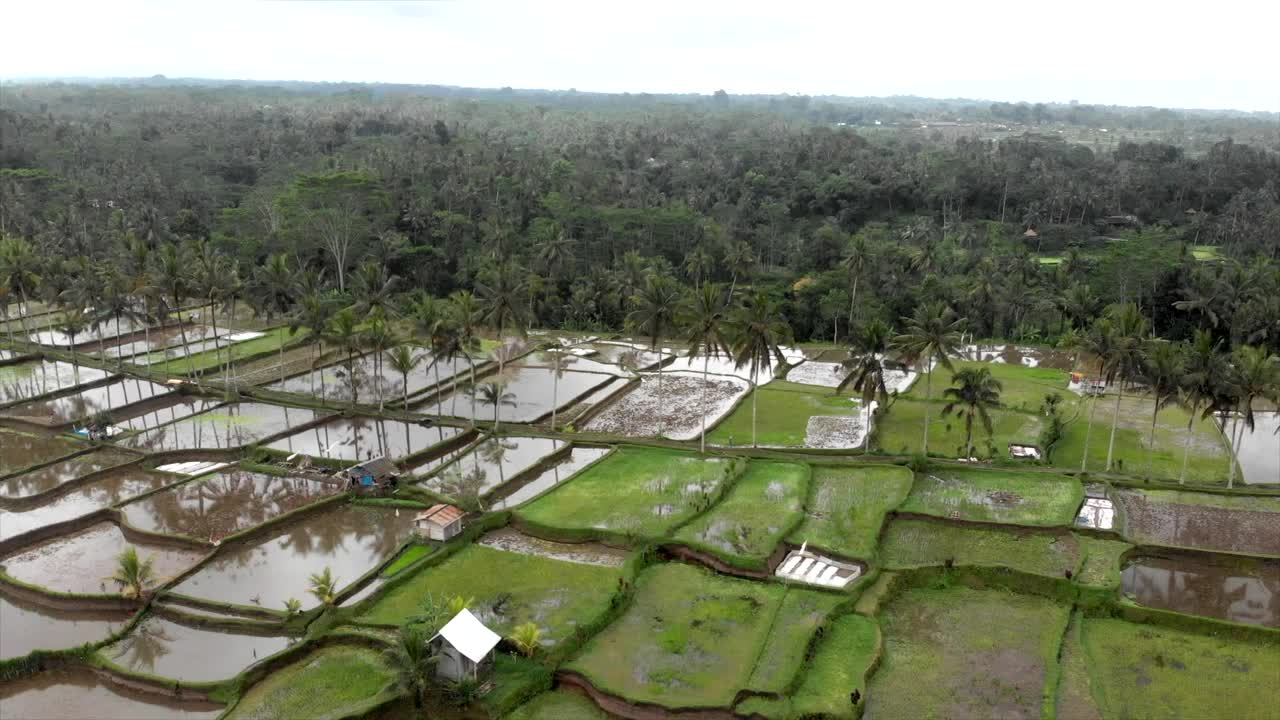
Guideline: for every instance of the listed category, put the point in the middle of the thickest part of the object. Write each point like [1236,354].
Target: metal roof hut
[465,648]
[439,522]
[378,473]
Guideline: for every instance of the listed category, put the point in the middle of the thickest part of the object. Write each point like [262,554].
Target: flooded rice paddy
[82,562]
[336,382]
[1236,590]
[267,571]
[1025,355]
[582,553]
[170,409]
[1259,449]
[159,646]
[492,462]
[106,330]
[19,451]
[86,403]
[218,505]
[528,393]
[361,438]
[158,339]
[79,694]
[675,411]
[811,372]
[228,426]
[28,380]
[109,489]
[56,474]
[562,470]
[32,626]
[1230,524]
[581,363]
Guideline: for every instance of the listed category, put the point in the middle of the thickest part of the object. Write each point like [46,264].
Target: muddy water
[350,541]
[77,695]
[579,458]
[31,626]
[583,553]
[83,404]
[108,490]
[27,380]
[494,461]
[220,504]
[228,426]
[158,646]
[23,450]
[572,362]
[334,382]
[82,562]
[1259,451]
[171,409]
[531,390]
[360,438]
[105,331]
[1245,592]
[51,476]
[158,339]
[1158,518]
[429,466]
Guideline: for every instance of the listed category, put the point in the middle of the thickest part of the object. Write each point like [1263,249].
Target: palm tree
[292,606]
[527,637]
[315,311]
[411,659]
[854,262]
[502,291]
[740,260]
[555,255]
[495,393]
[133,573]
[1162,371]
[466,315]
[273,288]
[865,367]
[344,332]
[704,315]
[1201,378]
[404,361]
[757,331]
[18,263]
[173,279]
[653,312]
[1100,342]
[698,264]
[379,337]
[560,359]
[374,290]
[974,393]
[932,337]
[1256,373]
[1126,358]
[324,586]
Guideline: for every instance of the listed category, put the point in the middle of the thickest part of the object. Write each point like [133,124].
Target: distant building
[465,648]
[439,522]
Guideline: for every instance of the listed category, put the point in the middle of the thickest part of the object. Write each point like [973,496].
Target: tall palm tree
[555,255]
[865,367]
[854,263]
[404,361]
[18,264]
[560,359]
[379,337]
[172,277]
[698,264]
[1203,374]
[758,331]
[411,658]
[1126,358]
[931,338]
[466,315]
[495,393]
[1256,373]
[974,393]
[374,290]
[502,291]
[344,333]
[704,315]
[1162,372]
[273,288]
[315,310]
[1100,342]
[653,314]
[740,259]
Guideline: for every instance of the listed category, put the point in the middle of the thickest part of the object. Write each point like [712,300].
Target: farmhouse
[465,648]
[376,473]
[439,522]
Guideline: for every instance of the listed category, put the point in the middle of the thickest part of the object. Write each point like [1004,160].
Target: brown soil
[1198,526]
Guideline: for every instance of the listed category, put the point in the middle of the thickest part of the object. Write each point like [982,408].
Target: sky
[1167,53]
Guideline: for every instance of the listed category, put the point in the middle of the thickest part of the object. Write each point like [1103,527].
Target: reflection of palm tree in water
[494,451]
[141,648]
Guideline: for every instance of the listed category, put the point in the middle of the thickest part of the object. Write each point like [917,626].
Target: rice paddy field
[651,573]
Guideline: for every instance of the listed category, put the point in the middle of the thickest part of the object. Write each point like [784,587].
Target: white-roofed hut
[465,648]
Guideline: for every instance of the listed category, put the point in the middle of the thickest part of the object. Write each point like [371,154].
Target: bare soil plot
[677,410]
[1199,520]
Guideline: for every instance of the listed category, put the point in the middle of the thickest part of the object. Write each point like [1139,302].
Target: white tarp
[469,636]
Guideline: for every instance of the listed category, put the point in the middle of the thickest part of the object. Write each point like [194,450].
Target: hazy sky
[1220,54]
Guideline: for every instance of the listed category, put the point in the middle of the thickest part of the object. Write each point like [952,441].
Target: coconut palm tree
[1255,374]
[411,658]
[854,262]
[133,574]
[1100,342]
[652,316]
[495,393]
[18,264]
[1162,372]
[973,394]
[740,260]
[343,332]
[273,290]
[1203,374]
[704,315]
[527,637]
[374,290]
[931,338]
[758,332]
[502,292]
[698,264]
[172,277]
[466,315]
[378,336]
[323,586]
[404,361]
[1126,359]
[315,310]
[560,359]
[865,367]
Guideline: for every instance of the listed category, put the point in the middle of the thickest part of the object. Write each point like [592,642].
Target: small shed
[439,522]
[375,473]
[465,648]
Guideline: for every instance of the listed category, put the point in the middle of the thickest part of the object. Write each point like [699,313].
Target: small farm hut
[439,522]
[465,648]
[377,473]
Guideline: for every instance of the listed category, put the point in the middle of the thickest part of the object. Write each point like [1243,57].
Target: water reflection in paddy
[158,339]
[79,694]
[84,403]
[1259,451]
[579,458]
[31,626]
[1248,592]
[529,393]
[158,646]
[27,380]
[102,492]
[171,409]
[51,476]
[359,438]
[491,463]
[350,541]
[334,382]
[21,450]
[105,330]
[223,503]
[81,562]
[228,426]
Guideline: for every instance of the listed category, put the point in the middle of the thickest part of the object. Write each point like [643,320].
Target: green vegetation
[919,543]
[847,506]
[212,360]
[555,594]
[763,505]
[1022,388]
[1001,496]
[898,432]
[793,623]
[331,682]
[783,412]
[558,705]
[410,555]
[1101,564]
[965,653]
[634,492]
[1145,671]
